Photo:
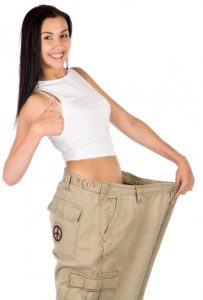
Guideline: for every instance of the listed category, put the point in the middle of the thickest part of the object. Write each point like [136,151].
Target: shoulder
[33,107]
[90,80]
[120,117]
[94,84]
[85,75]
[82,72]
[79,70]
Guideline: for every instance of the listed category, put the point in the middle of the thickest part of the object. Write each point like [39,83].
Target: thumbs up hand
[51,121]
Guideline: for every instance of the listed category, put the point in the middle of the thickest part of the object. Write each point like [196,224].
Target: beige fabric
[106,235]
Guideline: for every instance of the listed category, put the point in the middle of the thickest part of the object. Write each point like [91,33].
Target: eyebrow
[52,32]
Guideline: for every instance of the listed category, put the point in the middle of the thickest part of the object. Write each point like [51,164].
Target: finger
[54,106]
[46,109]
[181,191]
[175,197]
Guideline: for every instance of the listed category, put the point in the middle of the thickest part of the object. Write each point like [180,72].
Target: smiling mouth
[57,56]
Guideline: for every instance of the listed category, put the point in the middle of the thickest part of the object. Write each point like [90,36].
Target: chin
[56,65]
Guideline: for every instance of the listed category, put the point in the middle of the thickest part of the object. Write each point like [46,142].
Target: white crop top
[86,118]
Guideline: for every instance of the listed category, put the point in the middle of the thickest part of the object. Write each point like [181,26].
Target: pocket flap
[105,281]
[65,209]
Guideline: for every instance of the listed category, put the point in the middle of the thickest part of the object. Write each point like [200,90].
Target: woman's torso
[85,145]
[106,169]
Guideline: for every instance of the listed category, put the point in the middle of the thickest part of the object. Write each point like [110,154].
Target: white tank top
[86,118]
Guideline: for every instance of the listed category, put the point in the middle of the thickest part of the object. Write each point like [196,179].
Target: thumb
[55,105]
[50,106]
[178,191]
[53,102]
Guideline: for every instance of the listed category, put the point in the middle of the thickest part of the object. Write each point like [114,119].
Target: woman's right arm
[38,117]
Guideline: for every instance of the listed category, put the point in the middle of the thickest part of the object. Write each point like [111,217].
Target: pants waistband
[131,184]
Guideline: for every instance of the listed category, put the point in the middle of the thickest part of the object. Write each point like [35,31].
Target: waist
[105,168]
[131,185]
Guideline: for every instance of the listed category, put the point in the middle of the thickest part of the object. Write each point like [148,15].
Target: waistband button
[90,184]
[75,180]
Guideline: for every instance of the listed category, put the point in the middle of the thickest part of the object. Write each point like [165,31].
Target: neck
[52,74]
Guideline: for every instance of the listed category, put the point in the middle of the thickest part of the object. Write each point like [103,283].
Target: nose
[58,48]
[58,45]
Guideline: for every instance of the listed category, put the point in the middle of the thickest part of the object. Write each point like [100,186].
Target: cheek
[44,50]
[67,44]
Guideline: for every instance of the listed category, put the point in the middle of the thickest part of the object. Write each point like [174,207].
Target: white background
[147,55]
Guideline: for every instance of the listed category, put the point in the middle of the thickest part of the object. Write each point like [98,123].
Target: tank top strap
[51,97]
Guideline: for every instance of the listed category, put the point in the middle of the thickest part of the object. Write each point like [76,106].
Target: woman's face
[55,42]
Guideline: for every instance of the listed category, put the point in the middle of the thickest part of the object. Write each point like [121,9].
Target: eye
[64,35]
[48,37]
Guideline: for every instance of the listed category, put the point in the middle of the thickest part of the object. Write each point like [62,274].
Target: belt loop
[67,179]
[138,193]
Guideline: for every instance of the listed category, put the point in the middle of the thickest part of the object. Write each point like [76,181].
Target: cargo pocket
[65,220]
[104,284]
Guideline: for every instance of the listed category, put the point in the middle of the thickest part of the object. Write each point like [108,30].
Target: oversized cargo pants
[106,235]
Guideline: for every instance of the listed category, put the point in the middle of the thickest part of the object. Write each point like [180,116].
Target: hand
[185,179]
[50,122]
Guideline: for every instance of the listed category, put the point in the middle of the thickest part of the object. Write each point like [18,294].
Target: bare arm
[20,158]
[38,117]
[141,133]
[145,136]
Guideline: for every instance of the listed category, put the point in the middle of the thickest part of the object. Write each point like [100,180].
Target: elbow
[8,179]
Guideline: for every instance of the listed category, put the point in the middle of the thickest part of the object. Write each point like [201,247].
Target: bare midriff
[105,168]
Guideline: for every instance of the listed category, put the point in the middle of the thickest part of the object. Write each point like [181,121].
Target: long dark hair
[30,66]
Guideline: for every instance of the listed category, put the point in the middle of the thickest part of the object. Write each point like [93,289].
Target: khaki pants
[106,235]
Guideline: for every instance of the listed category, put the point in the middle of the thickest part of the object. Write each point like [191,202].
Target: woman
[107,224]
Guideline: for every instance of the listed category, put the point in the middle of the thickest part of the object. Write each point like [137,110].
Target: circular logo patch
[57,233]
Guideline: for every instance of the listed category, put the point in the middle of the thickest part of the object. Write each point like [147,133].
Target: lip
[56,55]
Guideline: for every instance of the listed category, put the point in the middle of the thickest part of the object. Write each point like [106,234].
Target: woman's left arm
[141,133]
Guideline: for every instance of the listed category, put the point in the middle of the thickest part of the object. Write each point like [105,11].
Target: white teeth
[56,55]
